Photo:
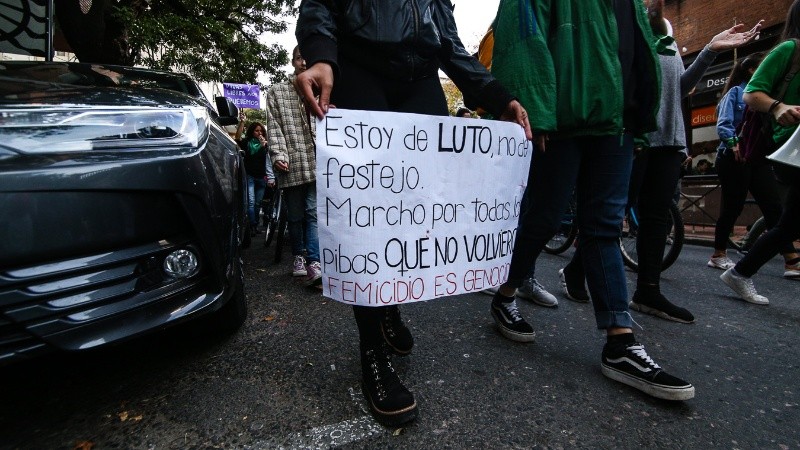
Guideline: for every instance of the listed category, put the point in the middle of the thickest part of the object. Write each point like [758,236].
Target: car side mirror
[228,111]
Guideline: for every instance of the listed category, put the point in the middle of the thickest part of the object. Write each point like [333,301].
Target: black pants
[357,88]
[783,234]
[736,179]
[655,174]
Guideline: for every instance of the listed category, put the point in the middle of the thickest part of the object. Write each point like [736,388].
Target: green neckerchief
[253,145]
[663,44]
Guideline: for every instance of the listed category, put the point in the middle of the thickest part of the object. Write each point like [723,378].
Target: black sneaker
[395,333]
[629,364]
[389,401]
[657,305]
[509,321]
[574,289]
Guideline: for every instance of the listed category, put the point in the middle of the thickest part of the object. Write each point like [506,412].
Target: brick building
[695,22]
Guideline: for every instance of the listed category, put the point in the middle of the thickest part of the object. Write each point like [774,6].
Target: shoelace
[750,287]
[638,350]
[512,310]
[538,286]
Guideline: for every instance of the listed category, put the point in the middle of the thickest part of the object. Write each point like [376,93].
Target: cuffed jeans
[301,215]
[255,193]
[599,169]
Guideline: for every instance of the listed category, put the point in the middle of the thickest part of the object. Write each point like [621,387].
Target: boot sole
[657,312]
[652,389]
[390,418]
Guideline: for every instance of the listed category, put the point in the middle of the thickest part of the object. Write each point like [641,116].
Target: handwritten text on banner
[413,207]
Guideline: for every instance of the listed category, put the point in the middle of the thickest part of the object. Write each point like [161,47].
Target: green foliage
[212,40]
[454,98]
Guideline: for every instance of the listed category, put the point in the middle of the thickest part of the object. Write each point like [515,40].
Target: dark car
[122,207]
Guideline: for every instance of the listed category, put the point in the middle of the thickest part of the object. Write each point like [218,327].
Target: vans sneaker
[535,292]
[658,305]
[509,321]
[299,266]
[721,262]
[743,286]
[629,364]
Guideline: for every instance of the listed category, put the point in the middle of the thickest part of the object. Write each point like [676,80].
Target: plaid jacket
[290,135]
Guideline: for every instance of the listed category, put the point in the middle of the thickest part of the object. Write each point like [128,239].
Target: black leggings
[357,88]
[655,174]
[736,179]
[779,237]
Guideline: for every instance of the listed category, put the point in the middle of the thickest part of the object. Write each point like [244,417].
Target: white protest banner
[413,207]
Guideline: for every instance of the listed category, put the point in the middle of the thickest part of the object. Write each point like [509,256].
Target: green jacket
[559,58]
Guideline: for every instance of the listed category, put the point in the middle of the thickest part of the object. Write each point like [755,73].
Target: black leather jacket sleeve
[403,40]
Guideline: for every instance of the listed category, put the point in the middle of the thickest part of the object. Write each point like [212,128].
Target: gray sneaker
[535,292]
[743,286]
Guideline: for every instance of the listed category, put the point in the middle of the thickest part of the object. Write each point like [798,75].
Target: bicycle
[275,224]
[630,230]
[567,231]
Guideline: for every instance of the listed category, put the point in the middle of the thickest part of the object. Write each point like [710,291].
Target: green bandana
[663,44]
[254,146]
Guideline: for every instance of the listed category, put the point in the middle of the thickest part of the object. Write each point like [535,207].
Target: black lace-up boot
[389,401]
[395,333]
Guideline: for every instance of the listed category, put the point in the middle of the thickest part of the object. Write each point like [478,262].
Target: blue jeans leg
[301,214]
[251,200]
[602,190]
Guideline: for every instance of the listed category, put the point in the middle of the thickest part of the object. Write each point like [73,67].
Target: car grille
[39,302]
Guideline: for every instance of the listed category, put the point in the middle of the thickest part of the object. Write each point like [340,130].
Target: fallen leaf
[123,416]
[136,418]
[268,318]
[397,432]
[83,445]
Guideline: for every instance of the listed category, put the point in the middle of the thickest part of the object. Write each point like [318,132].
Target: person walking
[259,172]
[365,56]
[291,134]
[594,64]
[738,176]
[784,115]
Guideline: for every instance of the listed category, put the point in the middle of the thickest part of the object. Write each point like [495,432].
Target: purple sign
[243,95]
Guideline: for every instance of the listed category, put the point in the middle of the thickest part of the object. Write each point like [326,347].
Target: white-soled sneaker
[535,292]
[743,286]
[721,262]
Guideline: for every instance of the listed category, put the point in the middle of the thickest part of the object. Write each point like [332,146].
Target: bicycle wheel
[630,231]
[274,217]
[563,239]
[280,233]
[566,233]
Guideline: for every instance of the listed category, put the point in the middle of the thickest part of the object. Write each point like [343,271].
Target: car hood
[18,92]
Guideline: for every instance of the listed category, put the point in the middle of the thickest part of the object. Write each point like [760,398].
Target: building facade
[695,22]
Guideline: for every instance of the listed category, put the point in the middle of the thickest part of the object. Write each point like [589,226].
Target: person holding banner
[595,64]
[291,138]
[785,115]
[366,57]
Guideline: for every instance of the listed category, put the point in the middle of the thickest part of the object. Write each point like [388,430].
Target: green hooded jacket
[560,59]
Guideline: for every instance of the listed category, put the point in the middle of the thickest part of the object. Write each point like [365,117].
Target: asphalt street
[290,377]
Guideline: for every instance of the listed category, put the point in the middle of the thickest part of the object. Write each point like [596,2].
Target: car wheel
[231,316]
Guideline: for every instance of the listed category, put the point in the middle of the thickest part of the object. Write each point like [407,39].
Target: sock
[626,338]
[500,298]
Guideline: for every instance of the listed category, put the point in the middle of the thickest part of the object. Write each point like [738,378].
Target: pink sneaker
[314,274]
[299,266]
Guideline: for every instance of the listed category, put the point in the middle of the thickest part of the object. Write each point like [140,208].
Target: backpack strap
[794,67]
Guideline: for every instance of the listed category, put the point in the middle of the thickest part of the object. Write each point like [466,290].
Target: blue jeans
[599,169]
[255,193]
[301,214]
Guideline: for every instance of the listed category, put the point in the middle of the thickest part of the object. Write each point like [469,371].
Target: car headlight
[65,129]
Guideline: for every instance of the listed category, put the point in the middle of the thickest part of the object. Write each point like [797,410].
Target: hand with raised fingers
[734,37]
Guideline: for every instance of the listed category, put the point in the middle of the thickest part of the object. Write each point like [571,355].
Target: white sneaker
[743,286]
[721,262]
[299,266]
[535,292]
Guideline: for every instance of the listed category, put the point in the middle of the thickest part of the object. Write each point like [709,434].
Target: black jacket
[399,39]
